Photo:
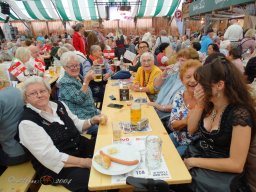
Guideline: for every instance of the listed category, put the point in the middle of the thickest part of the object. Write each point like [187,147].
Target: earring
[218,95]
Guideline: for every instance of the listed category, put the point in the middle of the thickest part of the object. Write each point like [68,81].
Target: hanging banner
[203,6]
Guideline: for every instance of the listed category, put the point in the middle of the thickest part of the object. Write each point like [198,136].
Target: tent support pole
[47,27]
[19,18]
[63,23]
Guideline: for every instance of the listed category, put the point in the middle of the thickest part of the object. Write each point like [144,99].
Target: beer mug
[98,73]
[135,113]
[117,131]
[52,71]
[153,146]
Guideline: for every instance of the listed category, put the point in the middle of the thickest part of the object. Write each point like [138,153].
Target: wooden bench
[17,178]
[21,177]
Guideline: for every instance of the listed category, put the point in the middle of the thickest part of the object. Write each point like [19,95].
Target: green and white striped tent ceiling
[79,10]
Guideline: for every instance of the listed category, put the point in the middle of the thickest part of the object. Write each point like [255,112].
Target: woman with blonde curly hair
[168,83]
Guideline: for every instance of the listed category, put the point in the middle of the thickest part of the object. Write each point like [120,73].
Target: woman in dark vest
[51,134]
[120,44]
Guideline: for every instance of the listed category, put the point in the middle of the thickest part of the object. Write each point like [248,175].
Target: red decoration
[178,14]
[109,54]
[17,69]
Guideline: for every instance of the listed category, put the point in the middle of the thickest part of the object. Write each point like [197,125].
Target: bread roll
[103,161]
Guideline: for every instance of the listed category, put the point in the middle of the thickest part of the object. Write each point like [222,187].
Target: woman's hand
[103,119]
[154,104]
[189,163]
[106,76]
[99,119]
[199,95]
[135,87]
[89,76]
[136,59]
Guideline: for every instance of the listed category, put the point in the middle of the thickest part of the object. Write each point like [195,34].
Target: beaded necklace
[144,80]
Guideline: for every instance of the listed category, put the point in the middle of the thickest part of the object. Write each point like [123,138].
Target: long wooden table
[178,171]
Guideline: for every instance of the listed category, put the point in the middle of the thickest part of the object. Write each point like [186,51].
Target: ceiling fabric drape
[82,10]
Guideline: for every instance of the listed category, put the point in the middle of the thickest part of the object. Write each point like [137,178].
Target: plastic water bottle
[121,60]
[174,69]
[122,63]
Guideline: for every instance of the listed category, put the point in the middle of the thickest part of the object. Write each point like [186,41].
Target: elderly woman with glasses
[144,79]
[96,59]
[74,90]
[51,134]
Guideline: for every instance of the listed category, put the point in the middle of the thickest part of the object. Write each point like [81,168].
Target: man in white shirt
[234,32]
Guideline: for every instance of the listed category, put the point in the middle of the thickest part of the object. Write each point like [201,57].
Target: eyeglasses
[36,93]
[146,61]
[73,67]
[143,47]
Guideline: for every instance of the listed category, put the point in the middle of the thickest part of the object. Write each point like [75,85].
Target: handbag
[212,181]
[121,75]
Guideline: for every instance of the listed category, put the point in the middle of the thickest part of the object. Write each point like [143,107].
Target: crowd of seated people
[200,95]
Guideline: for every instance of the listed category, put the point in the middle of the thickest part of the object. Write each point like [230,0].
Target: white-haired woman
[74,90]
[96,58]
[51,134]
[144,79]
[23,55]
[225,47]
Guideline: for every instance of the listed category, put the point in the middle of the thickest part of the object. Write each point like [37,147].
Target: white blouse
[40,144]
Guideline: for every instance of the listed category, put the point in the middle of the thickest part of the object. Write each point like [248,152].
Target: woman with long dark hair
[225,118]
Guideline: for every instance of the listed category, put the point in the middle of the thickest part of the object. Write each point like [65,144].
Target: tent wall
[128,27]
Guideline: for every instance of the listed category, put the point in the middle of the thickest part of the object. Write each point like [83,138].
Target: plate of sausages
[116,159]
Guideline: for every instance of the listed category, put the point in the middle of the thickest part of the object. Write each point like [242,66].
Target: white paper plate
[125,152]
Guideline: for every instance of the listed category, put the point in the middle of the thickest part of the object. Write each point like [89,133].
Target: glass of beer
[52,71]
[135,113]
[98,73]
[117,131]
[58,69]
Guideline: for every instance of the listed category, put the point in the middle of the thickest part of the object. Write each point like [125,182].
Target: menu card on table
[142,171]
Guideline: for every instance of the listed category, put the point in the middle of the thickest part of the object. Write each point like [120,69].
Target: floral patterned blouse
[178,112]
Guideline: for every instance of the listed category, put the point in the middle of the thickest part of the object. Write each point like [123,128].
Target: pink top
[248,44]
[239,64]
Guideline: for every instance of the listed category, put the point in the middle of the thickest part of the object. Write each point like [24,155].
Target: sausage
[120,161]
